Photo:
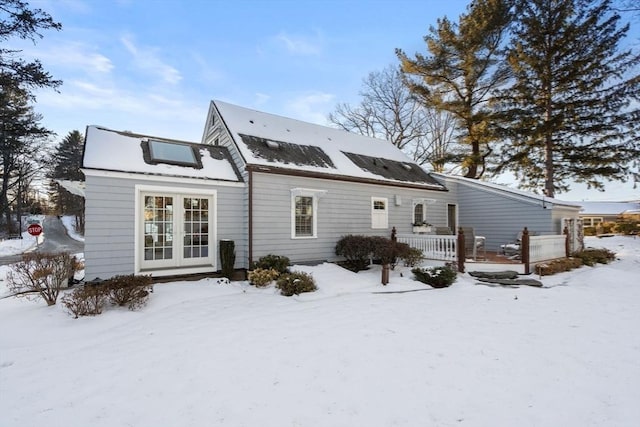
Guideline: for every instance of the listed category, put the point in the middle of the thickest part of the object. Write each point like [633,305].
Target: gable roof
[110,150]
[276,142]
[508,191]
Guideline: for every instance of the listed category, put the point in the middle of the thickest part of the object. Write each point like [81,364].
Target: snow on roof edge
[507,189]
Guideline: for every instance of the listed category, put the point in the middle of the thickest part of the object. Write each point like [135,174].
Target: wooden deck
[494,262]
[498,258]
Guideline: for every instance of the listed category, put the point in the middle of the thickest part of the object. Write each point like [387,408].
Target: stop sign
[34,229]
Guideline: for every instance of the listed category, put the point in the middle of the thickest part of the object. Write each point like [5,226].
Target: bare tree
[42,275]
[389,111]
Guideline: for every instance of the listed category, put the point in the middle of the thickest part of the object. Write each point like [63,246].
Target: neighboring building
[500,213]
[595,213]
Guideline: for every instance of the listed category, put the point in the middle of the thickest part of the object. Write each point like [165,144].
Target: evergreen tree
[459,73]
[17,20]
[21,136]
[20,131]
[65,163]
[569,114]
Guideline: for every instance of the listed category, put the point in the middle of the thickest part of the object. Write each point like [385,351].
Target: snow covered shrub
[85,301]
[591,256]
[356,249]
[261,277]
[295,283]
[128,290]
[437,277]
[42,274]
[277,262]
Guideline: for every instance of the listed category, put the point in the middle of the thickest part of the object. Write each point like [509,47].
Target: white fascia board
[160,178]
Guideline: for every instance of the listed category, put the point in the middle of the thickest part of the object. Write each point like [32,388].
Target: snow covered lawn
[208,354]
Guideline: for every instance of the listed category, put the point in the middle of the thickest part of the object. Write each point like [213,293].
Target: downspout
[250,219]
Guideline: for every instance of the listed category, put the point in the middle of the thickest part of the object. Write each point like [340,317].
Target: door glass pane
[158,227]
[196,227]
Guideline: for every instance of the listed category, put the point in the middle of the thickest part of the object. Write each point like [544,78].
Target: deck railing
[438,247]
[542,248]
[445,248]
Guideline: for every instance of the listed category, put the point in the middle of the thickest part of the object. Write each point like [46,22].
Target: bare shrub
[412,257]
[128,290]
[42,274]
[86,301]
[357,251]
[557,266]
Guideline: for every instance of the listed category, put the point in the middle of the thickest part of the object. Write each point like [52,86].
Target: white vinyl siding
[342,208]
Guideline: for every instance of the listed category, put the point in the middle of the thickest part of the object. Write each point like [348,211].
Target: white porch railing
[542,248]
[432,246]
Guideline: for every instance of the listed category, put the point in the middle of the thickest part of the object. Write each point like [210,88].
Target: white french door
[176,230]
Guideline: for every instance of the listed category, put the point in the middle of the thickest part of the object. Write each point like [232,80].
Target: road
[56,240]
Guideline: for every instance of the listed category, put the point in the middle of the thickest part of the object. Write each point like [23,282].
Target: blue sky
[153,66]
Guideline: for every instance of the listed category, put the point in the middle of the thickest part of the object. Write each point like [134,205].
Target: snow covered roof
[609,208]
[508,190]
[274,141]
[74,187]
[111,150]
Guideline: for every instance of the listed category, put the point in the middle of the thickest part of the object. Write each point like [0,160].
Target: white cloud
[73,55]
[311,107]
[206,71]
[261,99]
[146,59]
[300,45]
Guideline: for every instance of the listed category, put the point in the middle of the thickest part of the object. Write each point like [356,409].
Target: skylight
[172,152]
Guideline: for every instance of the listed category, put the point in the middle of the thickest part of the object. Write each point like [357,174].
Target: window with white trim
[304,213]
[419,212]
[304,216]
[379,212]
[176,229]
[592,221]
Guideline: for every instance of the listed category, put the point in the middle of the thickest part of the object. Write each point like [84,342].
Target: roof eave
[345,178]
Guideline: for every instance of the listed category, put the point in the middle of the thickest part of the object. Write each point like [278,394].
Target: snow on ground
[69,223]
[351,354]
[10,247]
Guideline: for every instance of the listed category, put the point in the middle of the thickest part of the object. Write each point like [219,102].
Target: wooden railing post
[566,242]
[524,248]
[460,251]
